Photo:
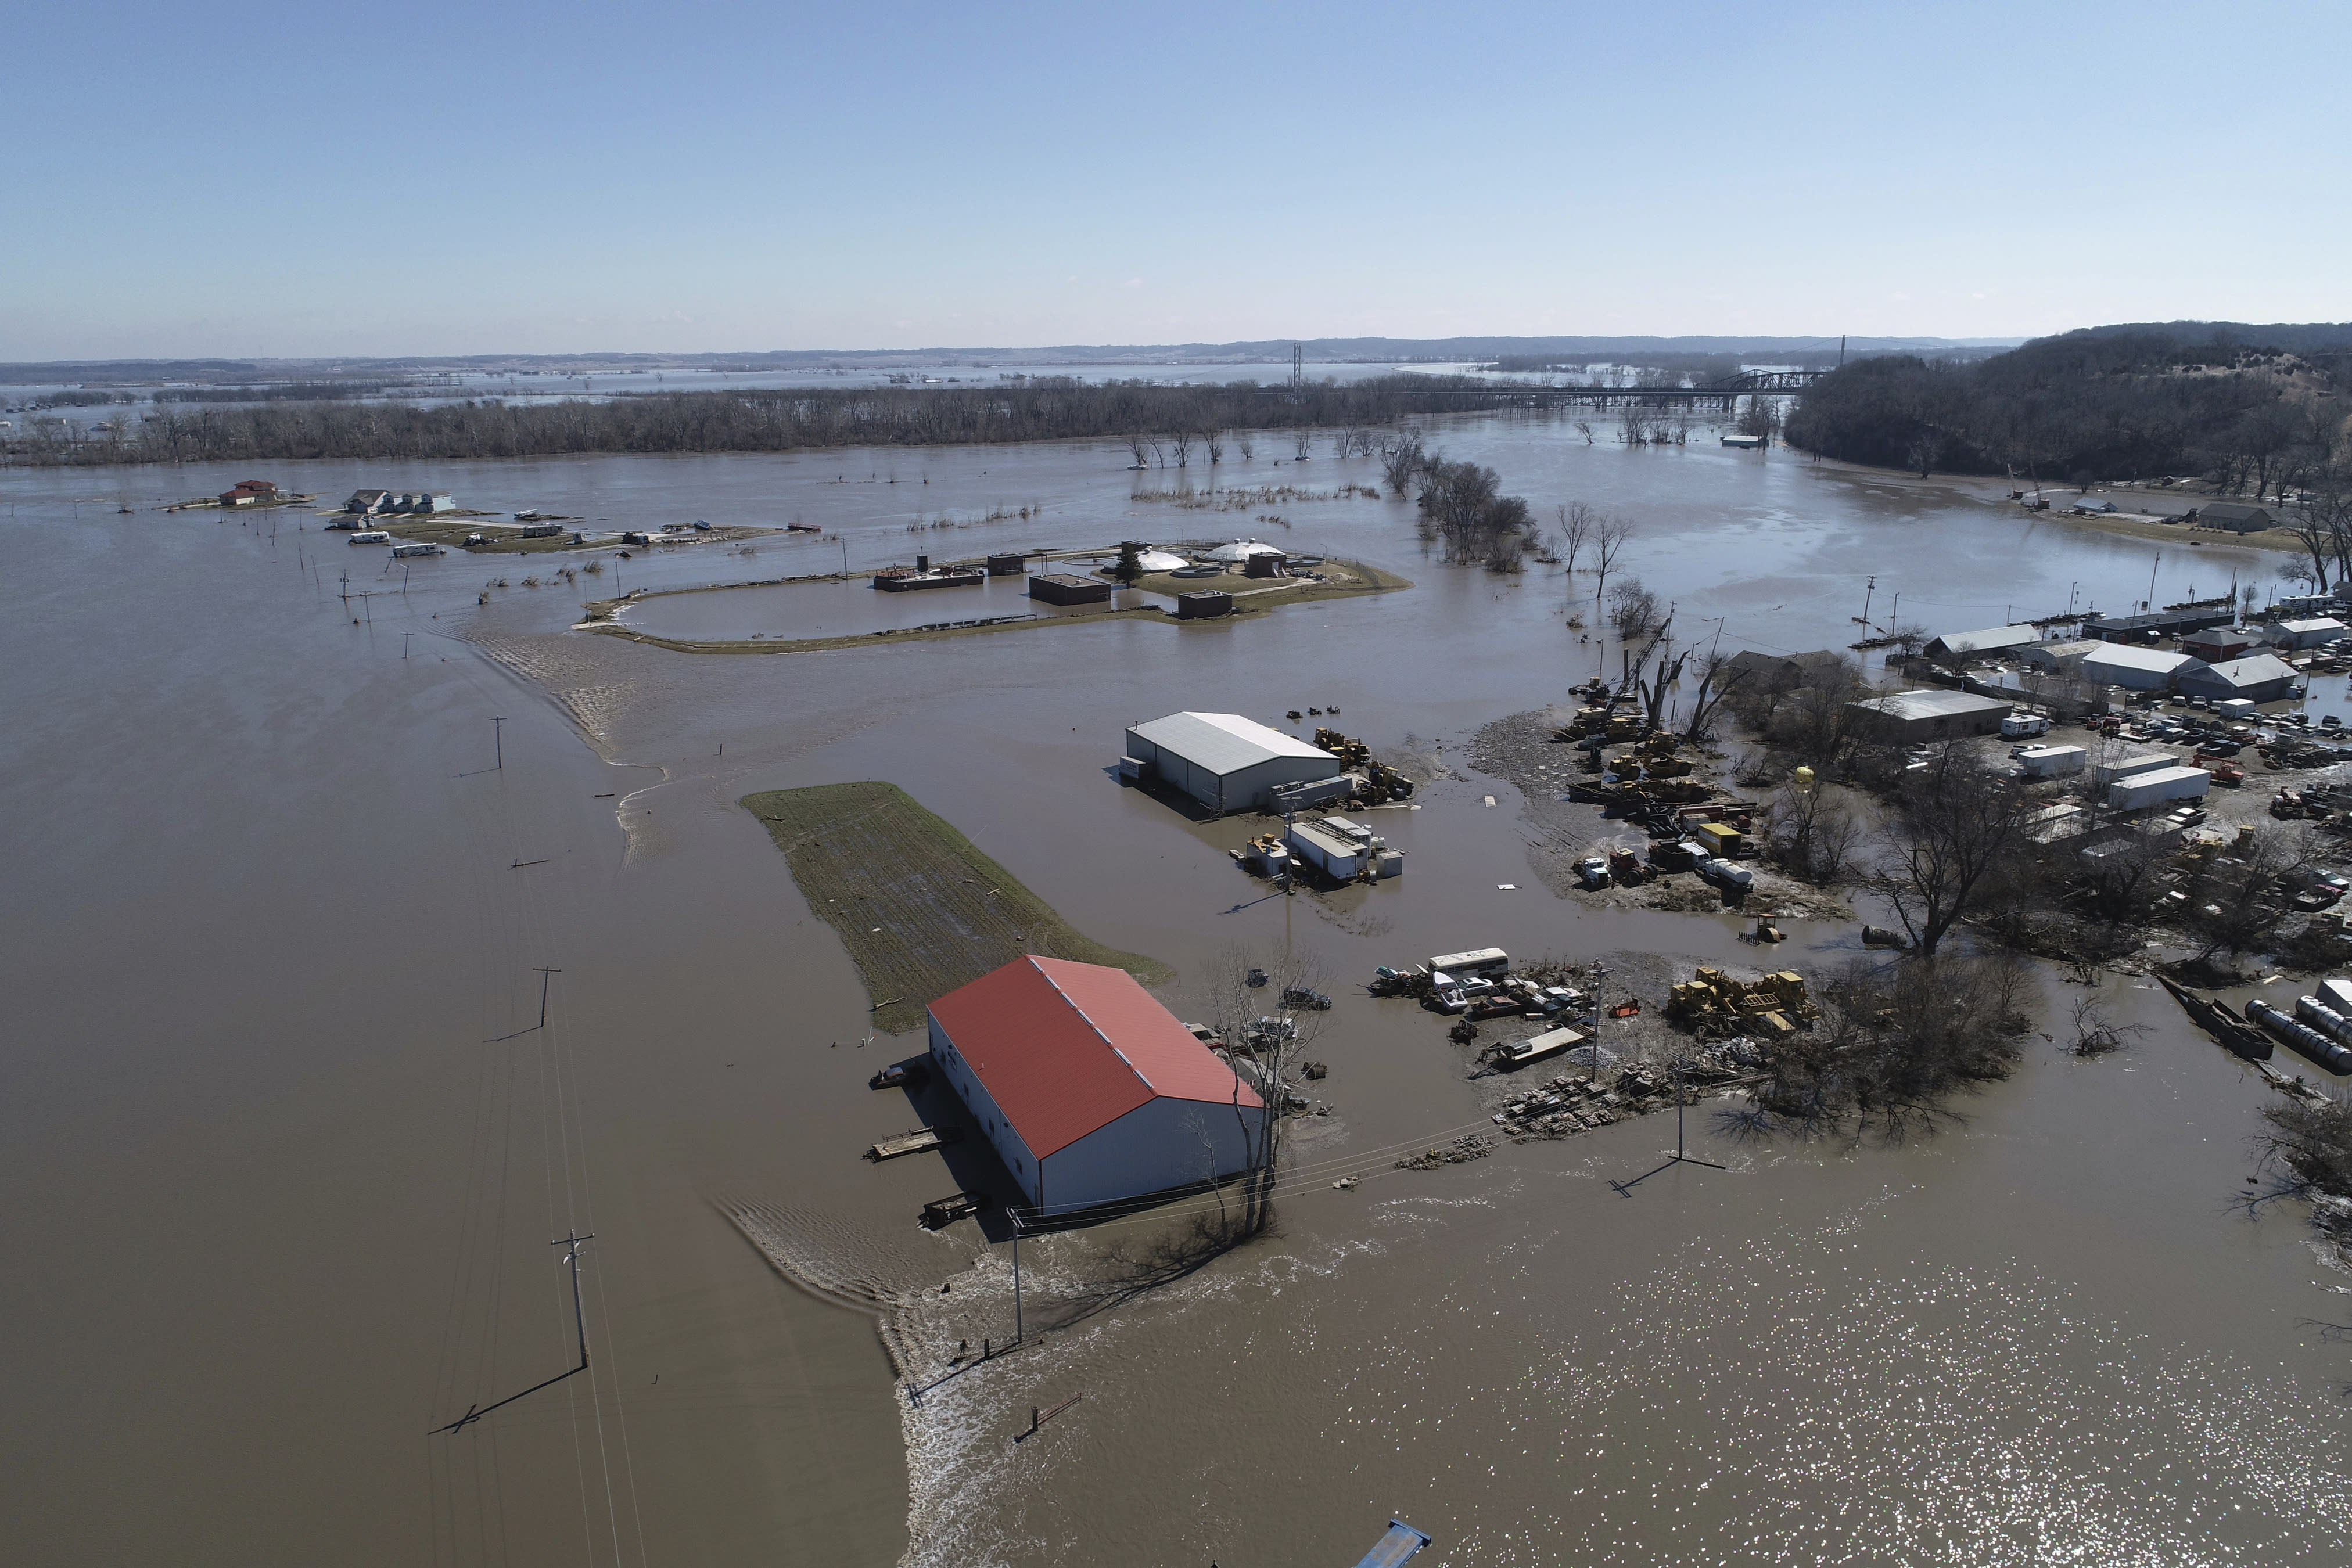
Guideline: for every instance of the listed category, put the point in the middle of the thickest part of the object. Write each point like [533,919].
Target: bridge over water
[1723,395]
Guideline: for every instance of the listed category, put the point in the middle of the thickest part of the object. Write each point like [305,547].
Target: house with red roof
[1089,1090]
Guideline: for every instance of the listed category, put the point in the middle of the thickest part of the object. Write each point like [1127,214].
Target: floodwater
[286,1145]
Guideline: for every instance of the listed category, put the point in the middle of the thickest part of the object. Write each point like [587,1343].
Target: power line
[580,1321]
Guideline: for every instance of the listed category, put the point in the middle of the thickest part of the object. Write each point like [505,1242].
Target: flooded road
[289,1143]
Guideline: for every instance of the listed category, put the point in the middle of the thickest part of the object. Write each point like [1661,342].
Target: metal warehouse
[1910,716]
[1226,762]
[1089,1090]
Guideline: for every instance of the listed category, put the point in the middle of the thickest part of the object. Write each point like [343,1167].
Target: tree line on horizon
[800,419]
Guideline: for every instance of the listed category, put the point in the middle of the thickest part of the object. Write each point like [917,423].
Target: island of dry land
[919,908]
[1253,596]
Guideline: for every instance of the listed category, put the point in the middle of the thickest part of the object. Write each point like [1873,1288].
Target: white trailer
[2049,761]
[1491,962]
[2116,768]
[2158,785]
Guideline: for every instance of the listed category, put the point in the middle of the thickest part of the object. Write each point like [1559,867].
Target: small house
[1203,604]
[2220,645]
[2093,506]
[2236,516]
[439,504]
[367,503]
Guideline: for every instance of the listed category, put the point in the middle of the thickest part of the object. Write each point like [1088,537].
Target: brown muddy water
[285,1148]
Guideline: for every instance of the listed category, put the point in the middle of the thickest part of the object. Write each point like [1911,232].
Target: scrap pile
[1713,1004]
[1573,1104]
[1379,784]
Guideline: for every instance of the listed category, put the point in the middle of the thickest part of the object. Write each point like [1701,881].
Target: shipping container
[2158,785]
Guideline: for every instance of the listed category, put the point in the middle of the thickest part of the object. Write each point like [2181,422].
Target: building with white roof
[2303,634]
[2135,668]
[1226,762]
[1242,549]
[1907,717]
[2261,678]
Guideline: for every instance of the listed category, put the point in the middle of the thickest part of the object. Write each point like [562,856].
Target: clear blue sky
[274,179]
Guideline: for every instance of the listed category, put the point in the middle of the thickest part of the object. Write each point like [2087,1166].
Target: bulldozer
[1713,1004]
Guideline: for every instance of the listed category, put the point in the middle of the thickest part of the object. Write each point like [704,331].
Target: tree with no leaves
[1953,825]
[1576,521]
[1609,537]
[1267,1058]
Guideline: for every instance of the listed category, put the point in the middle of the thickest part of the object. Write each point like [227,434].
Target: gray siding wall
[994,1126]
[1155,1146]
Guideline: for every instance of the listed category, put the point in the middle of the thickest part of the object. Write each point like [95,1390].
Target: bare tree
[1609,537]
[1633,610]
[1813,830]
[1138,445]
[2236,901]
[1716,681]
[1182,440]
[1402,462]
[1300,441]
[1267,1031]
[1576,524]
[1954,823]
[1216,441]
[1246,442]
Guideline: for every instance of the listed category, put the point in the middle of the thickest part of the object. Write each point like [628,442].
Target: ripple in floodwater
[1809,1407]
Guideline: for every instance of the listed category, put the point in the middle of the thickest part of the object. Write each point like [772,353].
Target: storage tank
[2301,1038]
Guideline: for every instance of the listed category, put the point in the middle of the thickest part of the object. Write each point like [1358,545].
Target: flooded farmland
[294,838]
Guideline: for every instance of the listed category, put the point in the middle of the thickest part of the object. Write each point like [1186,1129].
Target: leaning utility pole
[579,1321]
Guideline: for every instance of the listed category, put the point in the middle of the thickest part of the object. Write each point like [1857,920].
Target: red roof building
[1089,1091]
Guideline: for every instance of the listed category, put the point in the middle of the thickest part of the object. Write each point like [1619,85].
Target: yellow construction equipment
[1713,1003]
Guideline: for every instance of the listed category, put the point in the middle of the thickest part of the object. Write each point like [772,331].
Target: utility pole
[2150,605]
[1600,992]
[570,1241]
[404,636]
[499,739]
[544,975]
[1868,588]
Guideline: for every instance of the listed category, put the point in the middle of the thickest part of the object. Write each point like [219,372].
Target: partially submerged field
[919,908]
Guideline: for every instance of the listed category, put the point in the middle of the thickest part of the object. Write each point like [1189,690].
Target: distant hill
[2246,406]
